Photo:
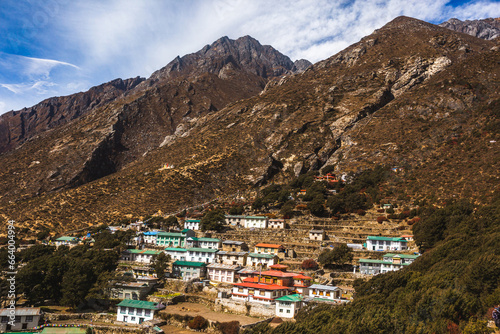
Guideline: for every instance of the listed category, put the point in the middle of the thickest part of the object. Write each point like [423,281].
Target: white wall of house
[221,275]
[266,297]
[286,309]
[386,245]
[133,315]
[180,255]
[200,256]
[192,225]
[324,293]
[255,261]
[253,222]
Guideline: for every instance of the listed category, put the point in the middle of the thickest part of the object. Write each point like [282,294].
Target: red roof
[268,245]
[277,273]
[300,276]
[248,279]
[261,286]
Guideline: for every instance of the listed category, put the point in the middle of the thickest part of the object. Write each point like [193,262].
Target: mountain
[486,29]
[96,133]
[412,94]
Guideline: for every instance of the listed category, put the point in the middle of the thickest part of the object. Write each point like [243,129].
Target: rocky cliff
[486,29]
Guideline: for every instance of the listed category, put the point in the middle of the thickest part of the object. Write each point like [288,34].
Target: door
[141,320]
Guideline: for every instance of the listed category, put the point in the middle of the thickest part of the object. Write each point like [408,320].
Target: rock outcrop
[486,29]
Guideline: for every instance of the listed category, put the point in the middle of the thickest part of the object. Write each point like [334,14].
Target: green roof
[142,251]
[193,238]
[403,256]
[387,238]
[291,298]
[256,217]
[172,249]
[192,221]
[206,250]
[190,264]
[209,239]
[66,239]
[138,304]
[264,256]
[185,230]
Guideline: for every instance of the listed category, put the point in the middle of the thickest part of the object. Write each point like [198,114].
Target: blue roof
[151,233]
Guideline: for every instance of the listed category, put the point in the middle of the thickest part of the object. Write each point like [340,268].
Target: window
[125,318]
[139,311]
[5,319]
[287,311]
[239,290]
[123,310]
[147,313]
[130,310]
[262,293]
[132,318]
[281,310]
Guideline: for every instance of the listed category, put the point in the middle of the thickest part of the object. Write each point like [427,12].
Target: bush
[232,327]
[309,264]
[381,219]
[198,323]
[361,212]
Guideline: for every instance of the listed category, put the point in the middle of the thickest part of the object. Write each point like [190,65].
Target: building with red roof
[258,292]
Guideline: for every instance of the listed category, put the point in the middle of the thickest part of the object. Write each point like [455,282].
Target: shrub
[381,219]
[361,212]
[380,210]
[232,327]
[198,323]
[309,264]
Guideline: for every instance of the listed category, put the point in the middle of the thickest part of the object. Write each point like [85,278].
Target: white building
[316,235]
[139,255]
[225,273]
[235,258]
[255,222]
[176,253]
[288,306]
[135,311]
[24,318]
[258,293]
[192,224]
[150,237]
[66,241]
[389,262]
[325,293]
[196,254]
[374,243]
[235,220]
[266,260]
[276,223]
[211,243]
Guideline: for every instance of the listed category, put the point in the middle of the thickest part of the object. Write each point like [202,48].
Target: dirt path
[193,310]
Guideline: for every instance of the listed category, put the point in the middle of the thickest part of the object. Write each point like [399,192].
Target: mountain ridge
[423,95]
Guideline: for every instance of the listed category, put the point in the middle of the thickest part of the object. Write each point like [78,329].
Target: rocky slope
[412,95]
[18,126]
[486,29]
[96,133]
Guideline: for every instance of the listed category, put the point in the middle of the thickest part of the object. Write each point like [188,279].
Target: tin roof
[209,239]
[323,287]
[224,266]
[138,304]
[264,256]
[205,250]
[142,251]
[232,242]
[232,253]
[21,311]
[172,249]
[268,245]
[386,238]
[261,286]
[291,298]
[189,264]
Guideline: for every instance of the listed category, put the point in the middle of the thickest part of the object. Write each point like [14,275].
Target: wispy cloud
[125,38]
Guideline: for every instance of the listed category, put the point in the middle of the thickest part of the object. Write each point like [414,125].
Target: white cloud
[36,67]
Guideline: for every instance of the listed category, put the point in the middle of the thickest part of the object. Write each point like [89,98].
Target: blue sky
[59,47]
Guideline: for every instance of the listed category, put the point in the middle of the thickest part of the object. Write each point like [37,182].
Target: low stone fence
[98,317]
[249,309]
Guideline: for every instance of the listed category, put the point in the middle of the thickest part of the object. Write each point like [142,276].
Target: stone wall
[100,317]
[249,309]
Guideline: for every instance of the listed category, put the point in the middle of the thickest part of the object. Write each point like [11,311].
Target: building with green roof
[176,253]
[173,239]
[389,262]
[66,241]
[206,255]
[261,260]
[192,224]
[288,306]
[376,243]
[136,311]
[188,270]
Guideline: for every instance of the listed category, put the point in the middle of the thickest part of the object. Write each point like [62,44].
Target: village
[252,268]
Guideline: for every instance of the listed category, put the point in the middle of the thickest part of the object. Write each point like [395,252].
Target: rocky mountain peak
[245,53]
[488,29]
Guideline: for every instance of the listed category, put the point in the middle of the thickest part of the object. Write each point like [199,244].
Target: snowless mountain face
[237,115]
[486,29]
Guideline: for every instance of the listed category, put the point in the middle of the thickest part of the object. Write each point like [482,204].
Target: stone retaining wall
[249,309]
